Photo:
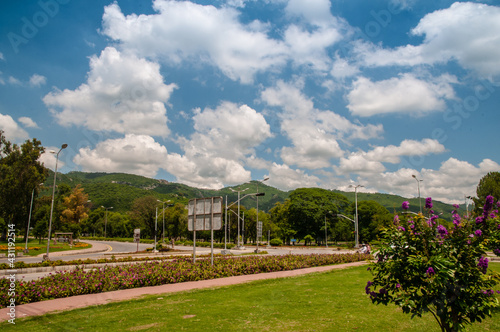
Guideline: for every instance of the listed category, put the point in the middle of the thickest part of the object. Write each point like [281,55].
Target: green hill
[120,190]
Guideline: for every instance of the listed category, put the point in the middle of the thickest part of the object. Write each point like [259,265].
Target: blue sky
[310,93]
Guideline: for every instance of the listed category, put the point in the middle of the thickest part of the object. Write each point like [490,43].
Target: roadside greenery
[109,278]
[425,267]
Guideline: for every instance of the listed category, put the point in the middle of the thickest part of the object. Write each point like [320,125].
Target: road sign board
[137,235]
[205,214]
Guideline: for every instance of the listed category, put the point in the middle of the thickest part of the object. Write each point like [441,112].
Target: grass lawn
[37,248]
[331,301]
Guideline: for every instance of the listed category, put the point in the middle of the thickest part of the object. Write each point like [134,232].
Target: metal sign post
[137,237]
[204,214]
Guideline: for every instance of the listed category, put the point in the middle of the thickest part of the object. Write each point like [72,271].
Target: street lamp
[64,146]
[238,191]
[326,230]
[163,212]
[258,194]
[356,230]
[106,218]
[29,219]
[468,199]
[418,186]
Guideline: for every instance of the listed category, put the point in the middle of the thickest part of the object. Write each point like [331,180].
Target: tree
[76,206]
[488,185]
[20,174]
[424,267]
[308,207]
[279,218]
[372,218]
[143,213]
[176,221]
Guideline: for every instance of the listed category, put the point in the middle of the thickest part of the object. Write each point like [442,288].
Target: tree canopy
[21,172]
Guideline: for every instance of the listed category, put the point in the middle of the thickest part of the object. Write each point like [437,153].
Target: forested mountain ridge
[120,190]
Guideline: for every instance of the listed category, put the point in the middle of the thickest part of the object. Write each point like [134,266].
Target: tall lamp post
[356,231]
[326,230]
[106,219]
[29,219]
[163,212]
[418,186]
[64,146]
[258,194]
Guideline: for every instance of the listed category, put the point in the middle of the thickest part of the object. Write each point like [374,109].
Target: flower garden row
[156,273]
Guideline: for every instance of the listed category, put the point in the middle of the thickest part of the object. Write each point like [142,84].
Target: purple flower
[496,252]
[367,288]
[479,220]
[428,203]
[488,205]
[478,232]
[396,220]
[483,264]
[398,286]
[405,205]
[442,231]
[401,228]
[456,206]
[430,271]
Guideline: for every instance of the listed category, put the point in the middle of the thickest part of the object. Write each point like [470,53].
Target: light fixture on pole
[163,212]
[29,219]
[64,146]
[418,186]
[356,230]
[106,219]
[238,191]
[258,194]
[326,230]
[468,199]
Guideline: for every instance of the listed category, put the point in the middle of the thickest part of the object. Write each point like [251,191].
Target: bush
[276,242]
[425,267]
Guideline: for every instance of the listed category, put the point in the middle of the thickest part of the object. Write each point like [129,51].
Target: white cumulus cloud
[123,93]
[135,154]
[405,94]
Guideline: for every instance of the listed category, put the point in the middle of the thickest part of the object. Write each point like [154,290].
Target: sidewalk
[80,301]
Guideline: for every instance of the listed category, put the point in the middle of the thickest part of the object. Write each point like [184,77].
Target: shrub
[425,267]
[276,242]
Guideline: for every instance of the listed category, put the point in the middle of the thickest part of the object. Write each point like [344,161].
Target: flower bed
[108,278]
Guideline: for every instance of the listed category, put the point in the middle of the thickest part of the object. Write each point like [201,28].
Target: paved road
[99,249]
[106,249]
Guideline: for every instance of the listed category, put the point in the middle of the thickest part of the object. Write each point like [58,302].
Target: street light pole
[238,191]
[106,219]
[257,239]
[64,146]
[326,231]
[356,230]
[29,220]
[418,186]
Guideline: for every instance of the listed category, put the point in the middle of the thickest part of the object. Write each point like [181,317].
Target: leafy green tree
[20,173]
[488,185]
[425,267]
[308,207]
[372,219]
[176,221]
[279,219]
[143,213]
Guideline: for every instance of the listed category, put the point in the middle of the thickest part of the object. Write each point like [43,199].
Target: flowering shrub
[158,273]
[425,267]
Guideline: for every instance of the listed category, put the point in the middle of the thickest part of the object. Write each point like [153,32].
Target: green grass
[37,248]
[331,301]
